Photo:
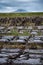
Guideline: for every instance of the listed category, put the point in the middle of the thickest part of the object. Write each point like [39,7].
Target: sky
[8,6]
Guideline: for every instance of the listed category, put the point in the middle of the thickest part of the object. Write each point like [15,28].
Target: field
[21,14]
[21,24]
[21,38]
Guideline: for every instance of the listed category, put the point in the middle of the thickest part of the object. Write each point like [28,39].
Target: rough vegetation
[21,21]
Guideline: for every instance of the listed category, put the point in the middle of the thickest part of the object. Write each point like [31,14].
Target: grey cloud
[14,5]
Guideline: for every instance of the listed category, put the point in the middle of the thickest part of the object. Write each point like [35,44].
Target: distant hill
[20,10]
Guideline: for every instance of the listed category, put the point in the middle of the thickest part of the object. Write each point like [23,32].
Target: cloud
[14,5]
[7,10]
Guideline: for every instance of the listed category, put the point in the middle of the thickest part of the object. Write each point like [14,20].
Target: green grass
[15,32]
[21,14]
[39,33]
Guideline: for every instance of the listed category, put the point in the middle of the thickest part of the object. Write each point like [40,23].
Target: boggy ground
[21,57]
